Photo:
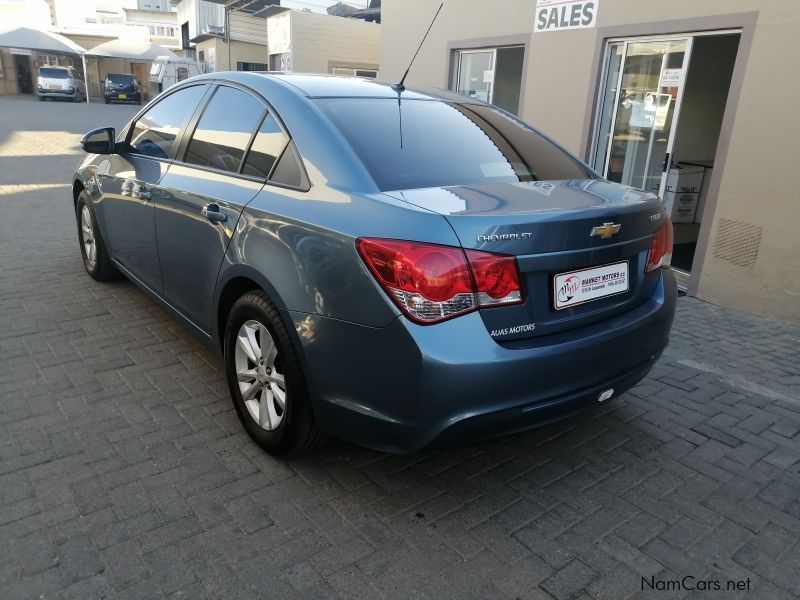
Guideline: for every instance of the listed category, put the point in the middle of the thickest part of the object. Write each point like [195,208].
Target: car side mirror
[99,141]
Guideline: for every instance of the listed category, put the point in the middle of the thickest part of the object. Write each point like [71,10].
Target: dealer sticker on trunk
[585,285]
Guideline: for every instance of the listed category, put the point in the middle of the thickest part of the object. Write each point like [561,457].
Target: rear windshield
[117,78]
[424,143]
[53,73]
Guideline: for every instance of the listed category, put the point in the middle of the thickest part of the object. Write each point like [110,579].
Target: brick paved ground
[124,472]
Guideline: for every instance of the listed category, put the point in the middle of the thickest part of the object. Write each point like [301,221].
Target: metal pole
[85,76]
[228,33]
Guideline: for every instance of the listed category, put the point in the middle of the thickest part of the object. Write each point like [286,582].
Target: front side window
[155,132]
[422,143]
[224,130]
[267,147]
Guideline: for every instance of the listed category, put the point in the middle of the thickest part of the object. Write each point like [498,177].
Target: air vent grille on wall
[737,242]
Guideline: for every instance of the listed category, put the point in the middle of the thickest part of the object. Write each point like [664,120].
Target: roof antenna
[399,87]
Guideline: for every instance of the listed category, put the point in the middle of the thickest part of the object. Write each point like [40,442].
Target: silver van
[60,82]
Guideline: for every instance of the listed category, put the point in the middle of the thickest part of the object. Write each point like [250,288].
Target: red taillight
[496,278]
[431,283]
[660,254]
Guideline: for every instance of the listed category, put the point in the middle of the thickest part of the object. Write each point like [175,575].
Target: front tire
[266,380]
[93,248]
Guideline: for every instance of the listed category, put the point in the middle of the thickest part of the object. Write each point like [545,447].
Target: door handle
[666,164]
[144,194]
[213,213]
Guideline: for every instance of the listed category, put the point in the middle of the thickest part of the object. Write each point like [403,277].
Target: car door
[206,192]
[130,184]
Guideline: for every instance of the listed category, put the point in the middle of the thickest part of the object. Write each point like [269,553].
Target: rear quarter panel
[303,246]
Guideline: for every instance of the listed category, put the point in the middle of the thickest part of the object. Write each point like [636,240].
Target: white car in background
[60,82]
[166,71]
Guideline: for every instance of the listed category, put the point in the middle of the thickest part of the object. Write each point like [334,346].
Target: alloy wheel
[87,236]
[262,385]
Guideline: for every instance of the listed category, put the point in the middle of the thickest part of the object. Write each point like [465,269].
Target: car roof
[336,86]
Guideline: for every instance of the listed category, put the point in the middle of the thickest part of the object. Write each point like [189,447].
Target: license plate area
[585,285]
[122,96]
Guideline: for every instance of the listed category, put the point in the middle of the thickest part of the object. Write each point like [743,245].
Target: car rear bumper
[403,387]
[129,96]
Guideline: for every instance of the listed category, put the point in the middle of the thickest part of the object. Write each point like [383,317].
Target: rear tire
[263,372]
[95,256]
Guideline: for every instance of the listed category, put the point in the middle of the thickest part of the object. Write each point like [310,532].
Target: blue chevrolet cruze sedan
[398,268]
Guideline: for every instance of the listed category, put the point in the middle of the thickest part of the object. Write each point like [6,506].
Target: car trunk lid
[591,233]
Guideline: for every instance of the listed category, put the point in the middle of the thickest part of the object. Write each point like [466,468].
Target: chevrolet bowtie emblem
[606,231]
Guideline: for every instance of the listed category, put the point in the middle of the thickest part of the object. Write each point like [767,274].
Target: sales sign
[555,15]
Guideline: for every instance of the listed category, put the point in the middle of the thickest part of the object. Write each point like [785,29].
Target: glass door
[475,74]
[639,110]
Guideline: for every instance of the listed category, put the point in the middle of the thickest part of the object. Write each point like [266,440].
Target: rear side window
[267,147]
[423,143]
[224,130]
[119,78]
[155,131]
[289,171]
[54,73]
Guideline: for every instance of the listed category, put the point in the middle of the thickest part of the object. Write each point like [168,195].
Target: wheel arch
[236,281]
[77,188]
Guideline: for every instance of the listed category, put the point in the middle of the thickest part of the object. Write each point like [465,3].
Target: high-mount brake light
[660,254]
[431,283]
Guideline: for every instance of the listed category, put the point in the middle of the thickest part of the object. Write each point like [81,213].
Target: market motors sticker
[577,287]
[555,15]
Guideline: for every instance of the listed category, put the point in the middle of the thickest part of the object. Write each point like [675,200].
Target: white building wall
[319,42]
[246,28]
[33,13]
[201,16]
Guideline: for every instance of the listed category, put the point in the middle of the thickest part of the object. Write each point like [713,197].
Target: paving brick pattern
[124,472]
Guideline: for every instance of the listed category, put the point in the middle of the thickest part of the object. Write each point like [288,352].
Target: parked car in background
[121,87]
[395,268]
[166,71]
[60,82]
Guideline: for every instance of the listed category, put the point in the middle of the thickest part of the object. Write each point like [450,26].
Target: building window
[349,72]
[251,66]
[493,75]
[48,60]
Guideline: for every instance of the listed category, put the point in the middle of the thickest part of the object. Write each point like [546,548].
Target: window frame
[183,137]
[191,128]
[267,110]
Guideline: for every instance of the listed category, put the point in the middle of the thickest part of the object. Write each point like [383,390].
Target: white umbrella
[130,49]
[37,39]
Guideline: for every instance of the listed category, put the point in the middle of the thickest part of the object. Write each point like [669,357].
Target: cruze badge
[606,230]
[502,237]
